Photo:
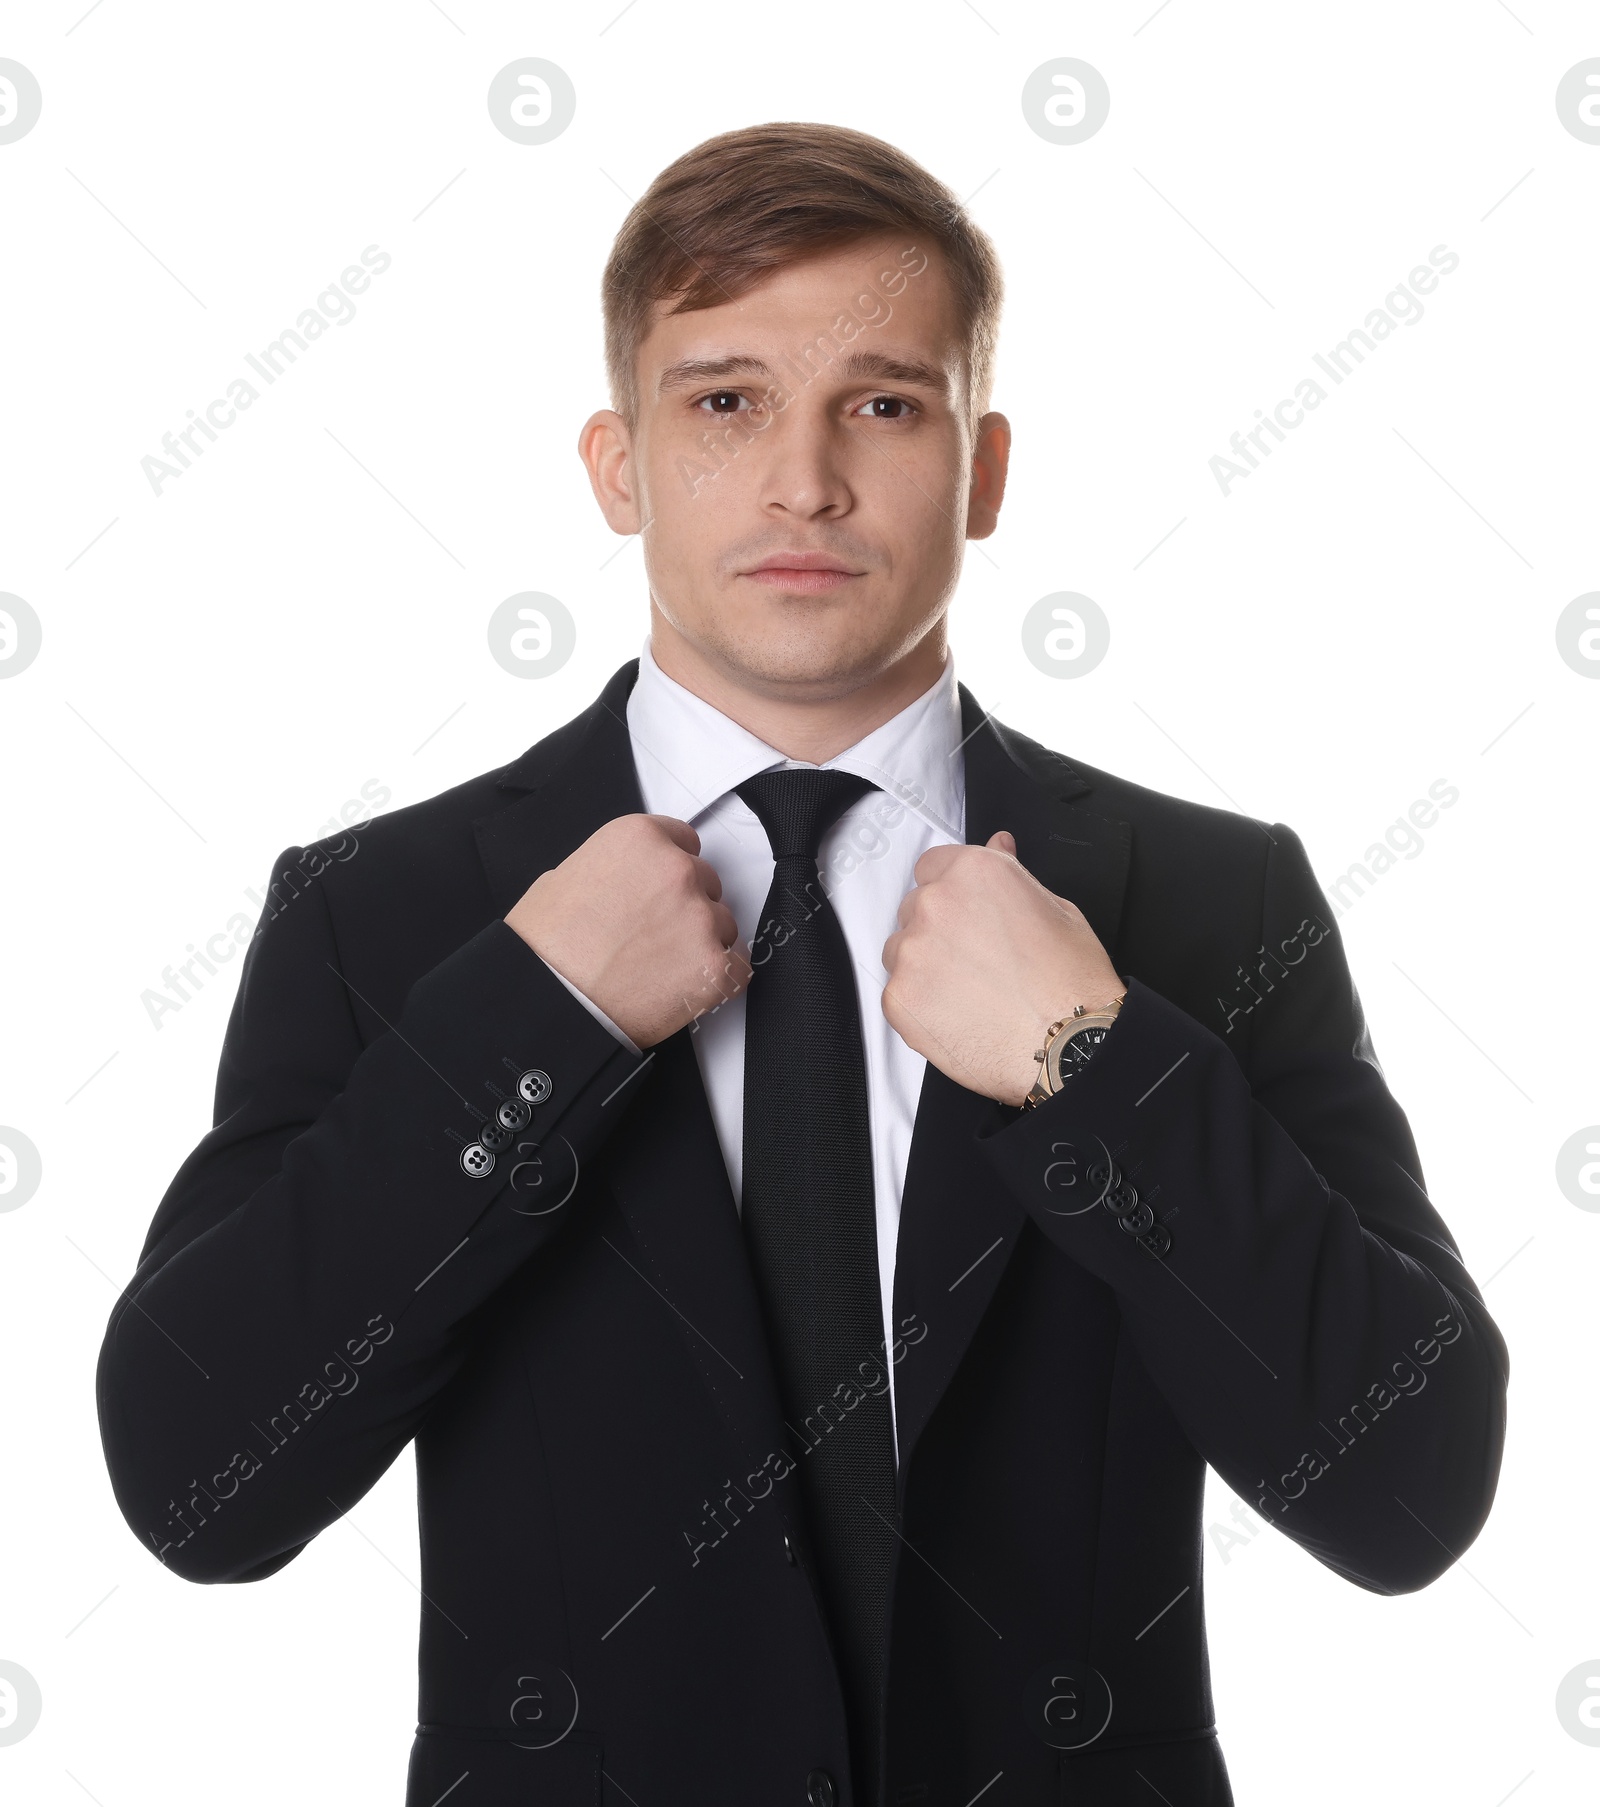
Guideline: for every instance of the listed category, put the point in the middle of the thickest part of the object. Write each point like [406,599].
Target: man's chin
[811,666]
[792,648]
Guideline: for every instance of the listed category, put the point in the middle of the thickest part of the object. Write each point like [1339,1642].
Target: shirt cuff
[596,1012]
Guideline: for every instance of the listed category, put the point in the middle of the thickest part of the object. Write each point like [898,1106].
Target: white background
[227,663]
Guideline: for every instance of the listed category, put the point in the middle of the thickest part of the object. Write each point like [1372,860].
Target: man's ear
[990,458]
[606,448]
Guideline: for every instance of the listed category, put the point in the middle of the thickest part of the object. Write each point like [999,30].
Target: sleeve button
[534,1086]
[1121,1198]
[514,1114]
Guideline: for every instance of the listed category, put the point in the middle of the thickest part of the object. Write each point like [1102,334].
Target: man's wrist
[596,1012]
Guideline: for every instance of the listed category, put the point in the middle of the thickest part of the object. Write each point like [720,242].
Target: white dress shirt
[689,756]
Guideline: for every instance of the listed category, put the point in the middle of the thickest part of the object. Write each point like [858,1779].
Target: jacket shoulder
[435,831]
[1169,819]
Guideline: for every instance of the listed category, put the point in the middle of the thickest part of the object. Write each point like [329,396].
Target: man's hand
[984,960]
[634,918]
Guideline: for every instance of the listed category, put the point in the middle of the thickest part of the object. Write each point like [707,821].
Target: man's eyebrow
[850,366]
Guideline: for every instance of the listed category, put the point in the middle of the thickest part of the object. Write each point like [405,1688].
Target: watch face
[1073,1051]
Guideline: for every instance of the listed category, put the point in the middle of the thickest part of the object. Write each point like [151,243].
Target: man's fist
[984,960]
[635,919]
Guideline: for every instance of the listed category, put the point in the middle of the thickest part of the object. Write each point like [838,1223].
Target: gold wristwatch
[1068,1043]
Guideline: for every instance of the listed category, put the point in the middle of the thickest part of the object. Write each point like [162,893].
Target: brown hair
[746,203]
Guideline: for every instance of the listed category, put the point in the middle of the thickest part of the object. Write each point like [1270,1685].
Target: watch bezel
[1069,1032]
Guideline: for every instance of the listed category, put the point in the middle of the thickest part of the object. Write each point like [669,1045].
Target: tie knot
[797,807]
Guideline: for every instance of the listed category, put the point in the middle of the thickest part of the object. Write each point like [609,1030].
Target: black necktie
[809,1224]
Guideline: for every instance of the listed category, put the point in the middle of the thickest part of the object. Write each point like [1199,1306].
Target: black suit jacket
[619,1594]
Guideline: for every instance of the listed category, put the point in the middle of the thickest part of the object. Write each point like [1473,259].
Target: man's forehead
[790,312]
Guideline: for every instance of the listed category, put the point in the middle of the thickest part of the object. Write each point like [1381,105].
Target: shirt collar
[689,754]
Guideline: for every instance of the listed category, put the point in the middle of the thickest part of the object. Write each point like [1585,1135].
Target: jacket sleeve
[1297,1299]
[300,1298]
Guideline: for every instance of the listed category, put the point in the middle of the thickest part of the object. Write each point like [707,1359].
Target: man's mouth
[806,573]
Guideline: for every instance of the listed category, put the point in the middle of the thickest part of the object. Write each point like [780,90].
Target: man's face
[821,417]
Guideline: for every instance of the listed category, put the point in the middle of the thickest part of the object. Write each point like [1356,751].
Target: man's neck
[813,729]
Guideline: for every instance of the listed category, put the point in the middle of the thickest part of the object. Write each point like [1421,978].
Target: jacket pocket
[468,1768]
[1187,1771]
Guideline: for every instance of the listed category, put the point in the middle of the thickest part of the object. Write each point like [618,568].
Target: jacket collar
[583,775]
[958,1228]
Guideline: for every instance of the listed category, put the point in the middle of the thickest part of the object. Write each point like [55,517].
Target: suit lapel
[958,1228]
[665,1171]
[571,782]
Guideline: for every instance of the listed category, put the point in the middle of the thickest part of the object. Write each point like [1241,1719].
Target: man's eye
[721,395]
[880,403]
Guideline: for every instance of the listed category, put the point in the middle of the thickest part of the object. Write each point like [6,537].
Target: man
[817,1175]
